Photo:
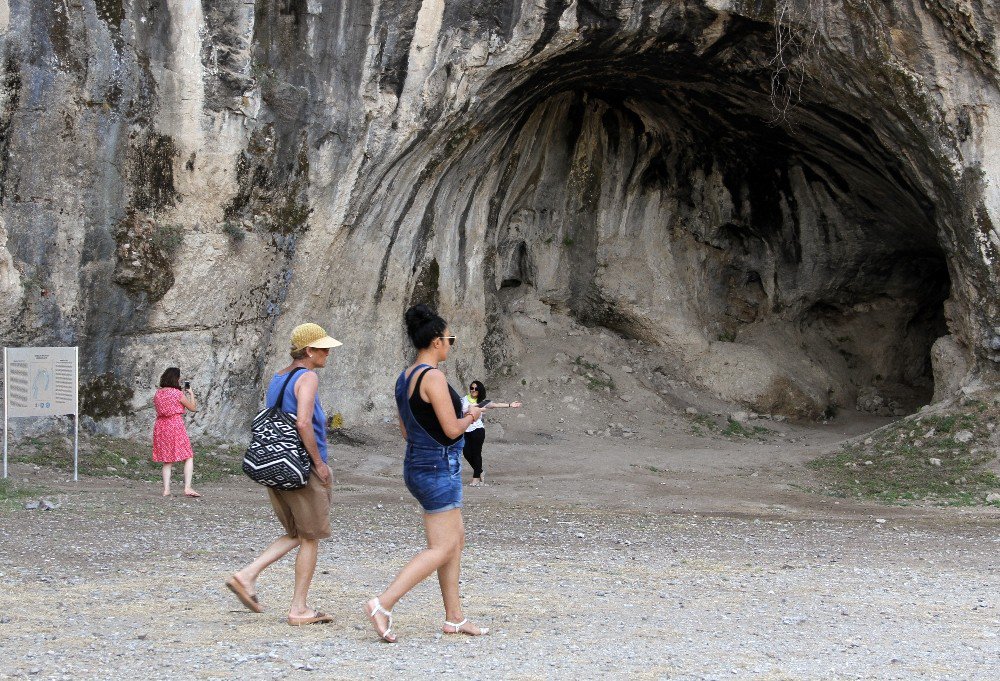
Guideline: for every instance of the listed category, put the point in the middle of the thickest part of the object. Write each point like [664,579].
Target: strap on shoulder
[420,378]
[281,395]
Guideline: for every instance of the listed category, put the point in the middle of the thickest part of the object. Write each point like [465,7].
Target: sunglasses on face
[473,389]
[450,339]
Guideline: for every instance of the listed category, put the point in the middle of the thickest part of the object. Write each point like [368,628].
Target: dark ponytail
[423,325]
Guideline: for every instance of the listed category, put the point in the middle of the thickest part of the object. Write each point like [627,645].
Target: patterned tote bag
[276,456]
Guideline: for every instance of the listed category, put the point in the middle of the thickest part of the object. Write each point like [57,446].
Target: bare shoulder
[308,379]
[435,378]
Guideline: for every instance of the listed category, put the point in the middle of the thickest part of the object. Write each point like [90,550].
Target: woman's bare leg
[277,550]
[305,566]
[444,542]
[188,474]
[448,575]
[167,468]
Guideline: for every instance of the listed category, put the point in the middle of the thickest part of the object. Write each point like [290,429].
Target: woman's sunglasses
[473,389]
[450,339]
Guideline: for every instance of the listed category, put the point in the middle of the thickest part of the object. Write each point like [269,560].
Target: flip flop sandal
[317,618]
[457,628]
[246,598]
[386,635]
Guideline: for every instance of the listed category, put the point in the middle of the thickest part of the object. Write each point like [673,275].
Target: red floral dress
[170,439]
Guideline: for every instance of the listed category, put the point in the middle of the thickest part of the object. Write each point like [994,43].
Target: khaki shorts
[304,512]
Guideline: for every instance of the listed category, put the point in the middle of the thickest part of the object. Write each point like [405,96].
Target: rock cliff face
[793,201]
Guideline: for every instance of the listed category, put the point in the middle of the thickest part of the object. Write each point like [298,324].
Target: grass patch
[651,469]
[940,459]
[737,430]
[13,495]
[703,424]
[596,377]
[103,456]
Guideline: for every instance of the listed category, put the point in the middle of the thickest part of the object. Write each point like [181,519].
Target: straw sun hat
[312,336]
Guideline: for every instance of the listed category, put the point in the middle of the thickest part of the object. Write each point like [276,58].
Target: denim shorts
[434,476]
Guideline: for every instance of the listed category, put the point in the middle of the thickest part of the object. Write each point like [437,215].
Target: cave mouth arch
[657,195]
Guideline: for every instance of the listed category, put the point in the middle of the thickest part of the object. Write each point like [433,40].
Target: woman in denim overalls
[430,418]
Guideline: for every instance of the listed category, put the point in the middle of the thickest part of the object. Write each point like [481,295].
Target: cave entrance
[659,196]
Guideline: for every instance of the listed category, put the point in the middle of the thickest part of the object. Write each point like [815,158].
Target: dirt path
[591,557]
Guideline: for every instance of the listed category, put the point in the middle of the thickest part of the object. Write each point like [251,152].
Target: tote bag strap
[281,395]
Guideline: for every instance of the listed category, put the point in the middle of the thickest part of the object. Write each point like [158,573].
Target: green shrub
[234,231]
[167,239]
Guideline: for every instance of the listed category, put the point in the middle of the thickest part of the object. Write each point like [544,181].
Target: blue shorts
[434,476]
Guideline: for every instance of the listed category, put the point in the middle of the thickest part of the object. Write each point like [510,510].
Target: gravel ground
[119,583]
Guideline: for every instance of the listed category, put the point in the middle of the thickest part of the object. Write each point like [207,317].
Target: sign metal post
[6,400]
[76,414]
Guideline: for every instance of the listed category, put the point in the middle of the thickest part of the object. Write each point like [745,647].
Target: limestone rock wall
[792,200]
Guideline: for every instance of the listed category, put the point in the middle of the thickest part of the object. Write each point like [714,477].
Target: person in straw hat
[304,512]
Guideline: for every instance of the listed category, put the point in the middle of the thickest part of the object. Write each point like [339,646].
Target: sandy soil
[591,557]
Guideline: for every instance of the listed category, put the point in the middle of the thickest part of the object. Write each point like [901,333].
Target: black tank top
[423,412]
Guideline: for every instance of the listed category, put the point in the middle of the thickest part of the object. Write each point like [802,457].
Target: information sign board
[41,382]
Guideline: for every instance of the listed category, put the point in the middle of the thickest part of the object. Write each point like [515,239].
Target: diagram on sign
[41,384]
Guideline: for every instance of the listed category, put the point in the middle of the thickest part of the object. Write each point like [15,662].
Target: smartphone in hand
[187,385]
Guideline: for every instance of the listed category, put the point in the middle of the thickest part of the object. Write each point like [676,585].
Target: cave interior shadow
[809,226]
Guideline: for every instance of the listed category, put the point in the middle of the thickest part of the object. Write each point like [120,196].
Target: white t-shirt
[478,423]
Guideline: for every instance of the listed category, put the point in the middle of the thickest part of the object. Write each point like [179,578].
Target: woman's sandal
[316,618]
[386,635]
[246,598]
[458,628]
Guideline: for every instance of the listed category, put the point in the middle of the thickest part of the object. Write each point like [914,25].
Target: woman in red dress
[170,439]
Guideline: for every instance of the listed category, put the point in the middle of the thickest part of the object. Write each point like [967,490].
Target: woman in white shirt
[475,434]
